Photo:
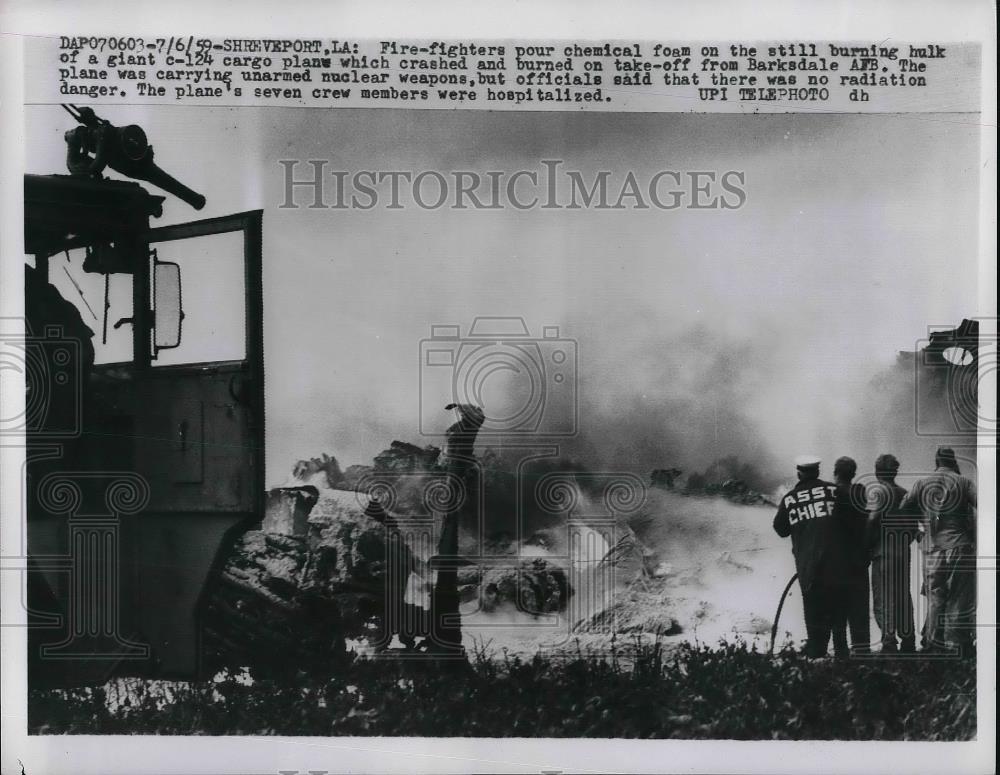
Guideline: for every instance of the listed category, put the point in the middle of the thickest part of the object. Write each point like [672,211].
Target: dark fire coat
[807,513]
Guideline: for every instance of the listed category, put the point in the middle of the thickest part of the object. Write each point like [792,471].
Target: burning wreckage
[359,555]
[349,556]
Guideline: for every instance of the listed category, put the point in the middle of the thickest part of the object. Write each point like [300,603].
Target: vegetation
[731,691]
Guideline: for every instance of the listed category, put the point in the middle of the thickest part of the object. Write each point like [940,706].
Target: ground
[641,691]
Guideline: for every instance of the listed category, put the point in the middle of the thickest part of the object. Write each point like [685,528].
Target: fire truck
[144,420]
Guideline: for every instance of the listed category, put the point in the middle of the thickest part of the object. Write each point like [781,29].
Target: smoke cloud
[752,332]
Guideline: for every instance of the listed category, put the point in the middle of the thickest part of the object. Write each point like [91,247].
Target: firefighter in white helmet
[806,513]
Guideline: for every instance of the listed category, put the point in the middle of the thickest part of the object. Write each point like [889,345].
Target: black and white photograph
[592,390]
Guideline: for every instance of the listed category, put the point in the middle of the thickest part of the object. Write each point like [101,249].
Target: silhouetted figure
[50,319]
[852,517]
[399,617]
[946,503]
[890,535]
[462,472]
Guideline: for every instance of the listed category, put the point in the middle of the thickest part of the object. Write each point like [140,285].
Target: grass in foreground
[728,692]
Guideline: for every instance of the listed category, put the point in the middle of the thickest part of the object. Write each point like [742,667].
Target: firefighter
[48,313]
[852,519]
[463,473]
[397,619]
[806,513]
[945,503]
[890,534]
[51,318]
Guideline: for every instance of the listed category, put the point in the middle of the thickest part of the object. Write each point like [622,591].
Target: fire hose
[777,614]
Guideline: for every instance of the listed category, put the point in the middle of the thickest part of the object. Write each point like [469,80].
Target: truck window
[212,298]
[85,291]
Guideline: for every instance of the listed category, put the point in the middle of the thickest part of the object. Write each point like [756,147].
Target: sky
[698,333]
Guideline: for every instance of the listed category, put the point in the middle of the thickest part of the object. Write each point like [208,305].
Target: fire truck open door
[199,422]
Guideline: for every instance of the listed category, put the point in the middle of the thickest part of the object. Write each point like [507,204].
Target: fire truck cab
[144,440]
